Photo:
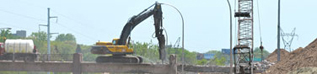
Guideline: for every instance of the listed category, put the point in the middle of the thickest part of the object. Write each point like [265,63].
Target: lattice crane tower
[243,51]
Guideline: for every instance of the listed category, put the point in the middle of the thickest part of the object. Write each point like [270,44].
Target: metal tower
[176,44]
[288,39]
[243,51]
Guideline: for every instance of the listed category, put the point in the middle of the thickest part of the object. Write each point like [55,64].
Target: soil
[299,58]
[273,56]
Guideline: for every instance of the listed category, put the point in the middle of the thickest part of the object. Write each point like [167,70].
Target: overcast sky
[206,21]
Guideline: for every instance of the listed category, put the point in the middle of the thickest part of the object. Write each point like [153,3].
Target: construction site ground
[299,61]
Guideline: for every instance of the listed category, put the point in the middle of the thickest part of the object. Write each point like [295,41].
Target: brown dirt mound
[273,56]
[297,51]
[306,57]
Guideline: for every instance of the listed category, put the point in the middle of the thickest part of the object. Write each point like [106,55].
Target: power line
[75,21]
[80,23]
[21,15]
[1,23]
[75,31]
[34,5]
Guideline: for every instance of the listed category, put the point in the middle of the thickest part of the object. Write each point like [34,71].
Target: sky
[206,21]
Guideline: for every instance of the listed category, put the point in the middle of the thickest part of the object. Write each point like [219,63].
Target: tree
[42,36]
[7,34]
[216,53]
[220,61]
[40,41]
[149,53]
[66,37]
[202,62]
[257,53]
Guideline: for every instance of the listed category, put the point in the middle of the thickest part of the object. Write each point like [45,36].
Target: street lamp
[230,37]
[183,55]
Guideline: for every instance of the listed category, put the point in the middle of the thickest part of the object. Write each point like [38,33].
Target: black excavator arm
[135,20]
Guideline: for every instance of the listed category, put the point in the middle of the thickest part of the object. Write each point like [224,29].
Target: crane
[243,51]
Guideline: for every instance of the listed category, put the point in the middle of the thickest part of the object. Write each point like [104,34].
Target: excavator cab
[115,41]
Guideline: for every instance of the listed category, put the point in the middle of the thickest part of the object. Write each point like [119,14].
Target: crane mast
[243,51]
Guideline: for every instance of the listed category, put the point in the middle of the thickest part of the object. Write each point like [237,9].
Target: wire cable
[19,27]
[258,6]
[80,23]
[76,31]
[25,16]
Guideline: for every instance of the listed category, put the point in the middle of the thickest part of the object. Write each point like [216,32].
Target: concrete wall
[78,67]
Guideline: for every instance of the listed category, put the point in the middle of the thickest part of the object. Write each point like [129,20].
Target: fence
[55,57]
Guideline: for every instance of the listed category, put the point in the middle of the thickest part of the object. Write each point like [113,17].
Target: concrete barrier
[78,67]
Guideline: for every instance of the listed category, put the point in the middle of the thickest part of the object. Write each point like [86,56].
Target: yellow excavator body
[111,48]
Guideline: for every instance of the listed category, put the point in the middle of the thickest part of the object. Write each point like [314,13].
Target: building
[20,33]
[206,56]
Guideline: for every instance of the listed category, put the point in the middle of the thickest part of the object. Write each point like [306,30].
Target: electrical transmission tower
[288,39]
[243,51]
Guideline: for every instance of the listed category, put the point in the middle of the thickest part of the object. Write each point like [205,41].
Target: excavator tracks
[119,59]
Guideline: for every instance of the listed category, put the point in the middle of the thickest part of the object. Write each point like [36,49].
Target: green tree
[7,34]
[220,61]
[87,55]
[40,41]
[66,37]
[41,36]
[150,53]
[202,62]
[257,53]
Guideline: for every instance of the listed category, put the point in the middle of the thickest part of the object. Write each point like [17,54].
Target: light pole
[182,34]
[230,36]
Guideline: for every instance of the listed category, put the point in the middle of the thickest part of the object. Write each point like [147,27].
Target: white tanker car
[18,49]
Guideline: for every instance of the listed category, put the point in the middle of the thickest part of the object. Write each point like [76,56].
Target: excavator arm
[135,20]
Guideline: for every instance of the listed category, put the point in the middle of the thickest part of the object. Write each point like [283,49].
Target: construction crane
[243,51]
[176,44]
[119,47]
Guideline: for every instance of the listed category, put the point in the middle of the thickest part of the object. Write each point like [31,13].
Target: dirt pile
[297,51]
[302,57]
[273,56]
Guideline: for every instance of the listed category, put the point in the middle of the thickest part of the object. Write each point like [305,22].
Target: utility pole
[278,31]
[49,33]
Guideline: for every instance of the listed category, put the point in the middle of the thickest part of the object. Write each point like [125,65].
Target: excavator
[118,49]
